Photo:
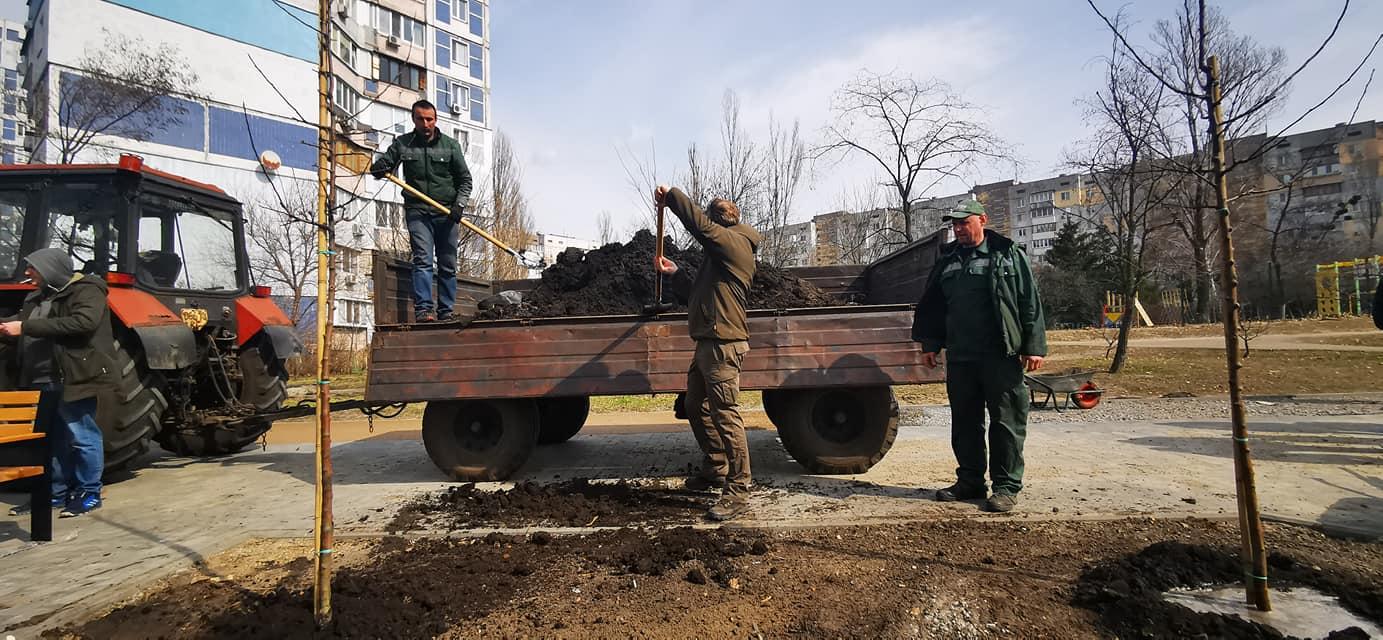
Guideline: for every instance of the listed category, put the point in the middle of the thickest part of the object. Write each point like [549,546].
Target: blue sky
[572,82]
[575,81]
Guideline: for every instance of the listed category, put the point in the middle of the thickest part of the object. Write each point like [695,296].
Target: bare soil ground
[970,578]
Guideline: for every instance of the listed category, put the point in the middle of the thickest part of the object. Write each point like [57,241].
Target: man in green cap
[981,306]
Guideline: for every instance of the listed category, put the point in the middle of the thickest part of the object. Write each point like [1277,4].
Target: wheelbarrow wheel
[1086,400]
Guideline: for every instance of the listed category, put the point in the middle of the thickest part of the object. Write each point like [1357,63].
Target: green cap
[964,209]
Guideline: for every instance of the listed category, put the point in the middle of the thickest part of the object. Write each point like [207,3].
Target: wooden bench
[25,417]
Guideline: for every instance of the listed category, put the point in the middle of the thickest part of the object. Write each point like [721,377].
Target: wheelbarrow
[1074,387]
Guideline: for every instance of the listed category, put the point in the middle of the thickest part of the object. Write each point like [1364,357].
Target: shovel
[526,258]
[658,305]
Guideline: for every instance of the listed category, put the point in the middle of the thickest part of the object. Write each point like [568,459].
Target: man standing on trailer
[434,164]
[981,305]
[716,320]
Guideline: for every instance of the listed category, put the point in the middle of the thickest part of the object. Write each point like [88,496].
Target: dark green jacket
[78,324]
[437,168]
[1017,304]
[715,308]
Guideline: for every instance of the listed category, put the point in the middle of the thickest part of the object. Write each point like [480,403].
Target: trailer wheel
[480,440]
[839,430]
[1086,400]
[263,386]
[774,401]
[561,418]
[131,411]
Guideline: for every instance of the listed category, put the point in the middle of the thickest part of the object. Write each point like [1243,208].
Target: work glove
[379,175]
[457,210]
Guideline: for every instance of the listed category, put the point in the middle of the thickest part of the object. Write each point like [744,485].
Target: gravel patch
[1160,409]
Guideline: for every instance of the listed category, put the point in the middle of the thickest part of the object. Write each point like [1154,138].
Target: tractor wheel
[839,430]
[264,385]
[1086,400]
[559,419]
[131,411]
[480,440]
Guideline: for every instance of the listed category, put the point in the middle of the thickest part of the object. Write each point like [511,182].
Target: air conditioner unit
[395,41]
[456,107]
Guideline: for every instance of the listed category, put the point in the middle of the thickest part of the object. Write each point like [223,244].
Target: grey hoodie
[54,266]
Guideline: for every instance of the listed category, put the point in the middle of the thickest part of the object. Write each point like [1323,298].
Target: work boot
[959,491]
[446,316]
[1001,503]
[702,483]
[58,502]
[425,316]
[729,507]
[81,503]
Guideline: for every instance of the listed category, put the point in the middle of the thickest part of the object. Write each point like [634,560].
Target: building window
[478,105]
[13,36]
[401,73]
[477,18]
[344,97]
[11,79]
[345,49]
[463,137]
[1065,195]
[389,23]
[461,95]
[388,214]
[1322,190]
[460,54]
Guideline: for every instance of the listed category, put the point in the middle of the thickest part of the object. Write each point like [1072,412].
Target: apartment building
[251,127]
[1038,210]
[15,116]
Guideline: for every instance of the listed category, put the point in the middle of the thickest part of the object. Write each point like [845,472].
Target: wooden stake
[1255,557]
[322,521]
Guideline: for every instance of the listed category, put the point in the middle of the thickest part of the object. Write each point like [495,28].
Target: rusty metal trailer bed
[496,389]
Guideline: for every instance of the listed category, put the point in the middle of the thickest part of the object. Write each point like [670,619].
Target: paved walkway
[176,511]
[1271,341]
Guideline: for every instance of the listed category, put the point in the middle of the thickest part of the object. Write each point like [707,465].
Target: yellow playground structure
[1346,288]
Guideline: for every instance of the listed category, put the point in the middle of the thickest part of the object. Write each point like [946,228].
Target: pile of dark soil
[574,503]
[618,279]
[1127,593]
[969,578]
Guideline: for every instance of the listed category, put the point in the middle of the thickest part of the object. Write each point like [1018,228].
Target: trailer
[495,390]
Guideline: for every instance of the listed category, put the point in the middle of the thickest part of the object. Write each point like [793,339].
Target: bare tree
[1253,77]
[739,176]
[1125,158]
[513,223]
[919,133]
[785,157]
[282,244]
[126,87]
[641,176]
[605,227]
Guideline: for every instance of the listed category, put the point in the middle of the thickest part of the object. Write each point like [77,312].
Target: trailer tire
[264,385]
[775,401]
[480,440]
[131,411]
[839,430]
[560,419]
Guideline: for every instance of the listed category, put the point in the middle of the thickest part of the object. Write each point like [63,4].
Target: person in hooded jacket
[716,320]
[65,342]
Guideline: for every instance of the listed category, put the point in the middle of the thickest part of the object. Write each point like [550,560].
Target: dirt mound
[574,503]
[618,279]
[701,556]
[1127,593]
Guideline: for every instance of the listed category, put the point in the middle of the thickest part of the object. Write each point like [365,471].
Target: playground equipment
[1346,288]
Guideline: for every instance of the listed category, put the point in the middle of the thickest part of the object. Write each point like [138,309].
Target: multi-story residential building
[553,244]
[997,200]
[926,214]
[256,101]
[792,245]
[15,117]
[1038,210]
[1327,183]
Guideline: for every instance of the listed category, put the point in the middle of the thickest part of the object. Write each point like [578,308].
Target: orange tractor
[200,351]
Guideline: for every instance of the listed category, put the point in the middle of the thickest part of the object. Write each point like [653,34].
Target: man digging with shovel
[716,320]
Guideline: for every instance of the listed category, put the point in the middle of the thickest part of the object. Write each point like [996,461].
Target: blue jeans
[79,454]
[429,233]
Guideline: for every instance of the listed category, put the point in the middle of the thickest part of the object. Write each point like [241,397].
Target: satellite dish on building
[270,160]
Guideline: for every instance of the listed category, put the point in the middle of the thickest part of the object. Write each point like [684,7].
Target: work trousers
[713,401]
[433,240]
[992,385]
